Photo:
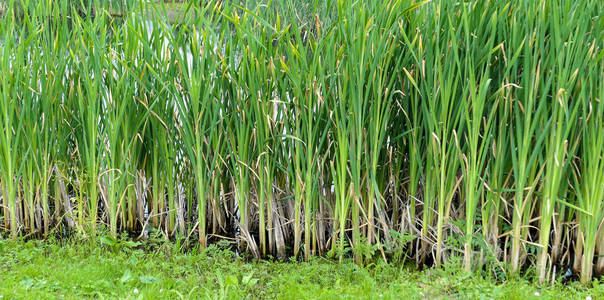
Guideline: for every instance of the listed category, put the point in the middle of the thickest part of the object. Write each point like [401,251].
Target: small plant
[398,246]
[116,245]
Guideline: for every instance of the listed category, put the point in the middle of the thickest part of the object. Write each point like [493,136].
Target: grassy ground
[41,270]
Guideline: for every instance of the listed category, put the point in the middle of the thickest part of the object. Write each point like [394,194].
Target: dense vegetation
[433,130]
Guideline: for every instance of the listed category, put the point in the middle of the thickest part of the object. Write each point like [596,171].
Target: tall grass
[437,129]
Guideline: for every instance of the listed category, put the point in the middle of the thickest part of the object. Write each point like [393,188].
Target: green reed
[434,129]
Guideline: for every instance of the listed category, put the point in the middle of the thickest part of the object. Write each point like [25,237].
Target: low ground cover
[89,269]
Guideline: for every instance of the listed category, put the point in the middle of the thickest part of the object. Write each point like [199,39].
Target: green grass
[85,269]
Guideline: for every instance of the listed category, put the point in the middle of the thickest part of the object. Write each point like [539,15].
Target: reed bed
[436,129]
